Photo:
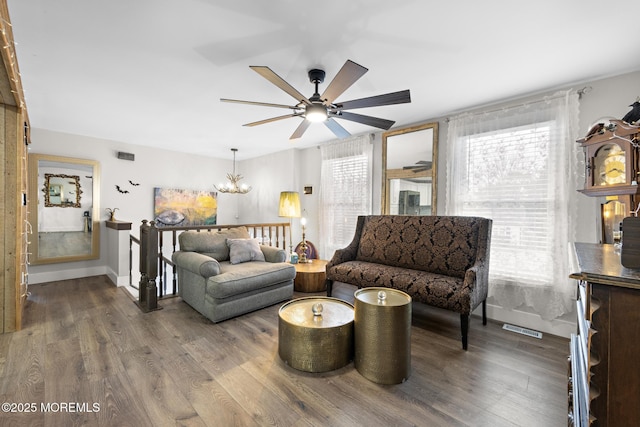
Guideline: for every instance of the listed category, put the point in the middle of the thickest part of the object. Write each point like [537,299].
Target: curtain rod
[580,93]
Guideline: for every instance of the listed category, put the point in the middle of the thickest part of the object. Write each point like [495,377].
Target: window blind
[507,179]
[345,191]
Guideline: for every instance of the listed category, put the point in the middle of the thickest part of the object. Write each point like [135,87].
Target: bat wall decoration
[121,190]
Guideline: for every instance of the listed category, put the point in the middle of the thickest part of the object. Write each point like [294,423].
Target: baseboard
[52,276]
[561,328]
[132,291]
[117,280]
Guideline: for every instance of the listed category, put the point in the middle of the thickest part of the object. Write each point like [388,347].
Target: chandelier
[232,185]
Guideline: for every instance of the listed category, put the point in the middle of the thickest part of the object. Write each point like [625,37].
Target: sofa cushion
[236,279]
[211,243]
[434,289]
[440,245]
[243,250]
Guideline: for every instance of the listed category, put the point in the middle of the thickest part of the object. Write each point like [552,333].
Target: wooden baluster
[173,267]
[160,262]
[130,260]
[142,285]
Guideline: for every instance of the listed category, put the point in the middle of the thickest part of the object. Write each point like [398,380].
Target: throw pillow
[243,250]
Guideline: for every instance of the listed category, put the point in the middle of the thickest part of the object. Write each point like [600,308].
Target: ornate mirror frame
[85,221]
[60,185]
[410,158]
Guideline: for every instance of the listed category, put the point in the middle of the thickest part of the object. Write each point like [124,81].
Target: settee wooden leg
[329,287]
[484,312]
[464,326]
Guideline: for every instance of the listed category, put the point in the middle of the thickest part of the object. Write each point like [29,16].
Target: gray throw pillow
[243,250]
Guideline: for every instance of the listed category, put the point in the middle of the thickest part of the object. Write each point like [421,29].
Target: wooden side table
[311,276]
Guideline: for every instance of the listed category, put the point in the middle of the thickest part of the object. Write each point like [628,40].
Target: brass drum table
[310,276]
[315,334]
[382,334]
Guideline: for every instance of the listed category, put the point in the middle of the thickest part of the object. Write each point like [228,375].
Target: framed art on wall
[176,207]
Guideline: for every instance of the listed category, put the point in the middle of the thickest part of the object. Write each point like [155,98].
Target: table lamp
[303,246]
[289,208]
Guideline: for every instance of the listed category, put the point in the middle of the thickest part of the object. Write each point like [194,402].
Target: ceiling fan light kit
[323,108]
[316,113]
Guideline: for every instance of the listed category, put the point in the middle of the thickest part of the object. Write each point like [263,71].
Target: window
[518,168]
[507,179]
[345,191]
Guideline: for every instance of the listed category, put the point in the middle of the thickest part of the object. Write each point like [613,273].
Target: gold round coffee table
[382,334]
[311,276]
[315,334]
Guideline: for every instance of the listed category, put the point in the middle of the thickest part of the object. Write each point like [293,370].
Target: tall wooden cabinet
[13,182]
[604,374]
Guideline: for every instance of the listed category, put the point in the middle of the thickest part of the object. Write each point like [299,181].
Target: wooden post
[147,292]
[152,267]
[142,286]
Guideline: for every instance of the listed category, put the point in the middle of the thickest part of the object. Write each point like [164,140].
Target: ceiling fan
[324,108]
[420,166]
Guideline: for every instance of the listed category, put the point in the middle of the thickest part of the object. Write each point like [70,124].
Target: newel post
[148,296]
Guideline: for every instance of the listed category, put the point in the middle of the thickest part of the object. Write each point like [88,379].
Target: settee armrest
[477,276]
[196,263]
[349,253]
[342,255]
[273,254]
[477,283]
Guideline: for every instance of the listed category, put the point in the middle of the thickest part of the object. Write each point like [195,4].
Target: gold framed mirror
[64,209]
[410,170]
[61,190]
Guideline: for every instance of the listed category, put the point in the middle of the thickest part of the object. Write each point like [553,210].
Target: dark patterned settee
[442,261]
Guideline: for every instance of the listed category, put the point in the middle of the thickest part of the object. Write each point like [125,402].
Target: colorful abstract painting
[182,208]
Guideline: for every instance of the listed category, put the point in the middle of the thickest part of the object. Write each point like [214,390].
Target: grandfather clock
[612,170]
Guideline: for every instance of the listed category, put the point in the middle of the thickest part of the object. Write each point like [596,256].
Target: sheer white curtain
[345,190]
[520,166]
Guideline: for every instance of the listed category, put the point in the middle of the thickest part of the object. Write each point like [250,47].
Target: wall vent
[126,156]
[523,331]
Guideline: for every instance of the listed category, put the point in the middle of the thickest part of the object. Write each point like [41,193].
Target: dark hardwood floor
[89,355]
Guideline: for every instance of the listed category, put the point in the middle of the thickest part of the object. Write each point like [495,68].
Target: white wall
[151,168]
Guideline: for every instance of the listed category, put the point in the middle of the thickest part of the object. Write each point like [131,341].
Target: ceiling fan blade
[335,127]
[301,129]
[268,74]
[401,97]
[366,120]
[348,75]
[262,104]
[273,119]
[416,169]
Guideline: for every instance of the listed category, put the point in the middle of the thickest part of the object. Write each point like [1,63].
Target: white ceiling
[151,72]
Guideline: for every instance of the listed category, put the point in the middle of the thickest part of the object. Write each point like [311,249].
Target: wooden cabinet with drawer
[604,370]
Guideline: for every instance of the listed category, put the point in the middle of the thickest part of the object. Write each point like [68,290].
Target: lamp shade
[289,204]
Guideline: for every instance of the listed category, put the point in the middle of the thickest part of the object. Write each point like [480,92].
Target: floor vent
[523,331]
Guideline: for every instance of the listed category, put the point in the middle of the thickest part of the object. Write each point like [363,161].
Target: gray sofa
[225,274]
[442,261]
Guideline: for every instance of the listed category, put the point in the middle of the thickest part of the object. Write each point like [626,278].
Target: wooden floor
[88,356]
[64,243]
